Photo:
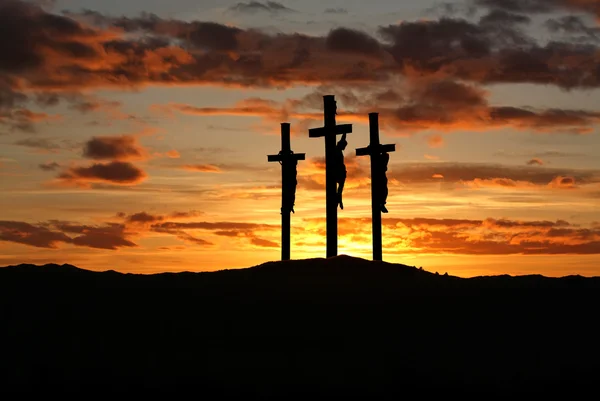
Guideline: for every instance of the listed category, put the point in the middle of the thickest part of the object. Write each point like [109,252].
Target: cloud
[541,6]
[344,40]
[203,168]
[573,25]
[489,236]
[91,50]
[53,233]
[563,182]
[487,53]
[173,154]
[39,143]
[482,174]
[338,10]
[52,166]
[535,162]
[190,238]
[24,120]
[143,217]
[247,231]
[426,105]
[117,173]
[121,148]
[435,141]
[272,7]
[263,243]
[48,55]
[28,234]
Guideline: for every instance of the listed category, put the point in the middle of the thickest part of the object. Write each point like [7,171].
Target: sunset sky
[134,134]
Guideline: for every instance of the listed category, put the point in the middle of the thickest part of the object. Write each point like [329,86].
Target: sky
[134,134]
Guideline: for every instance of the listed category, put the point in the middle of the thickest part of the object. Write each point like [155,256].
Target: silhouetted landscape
[336,326]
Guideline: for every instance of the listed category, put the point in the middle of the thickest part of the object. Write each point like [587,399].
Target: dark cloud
[352,41]
[504,17]
[46,53]
[144,217]
[338,10]
[28,234]
[53,233]
[255,6]
[542,6]
[39,143]
[122,173]
[488,53]
[123,147]
[52,166]
[573,25]
[525,6]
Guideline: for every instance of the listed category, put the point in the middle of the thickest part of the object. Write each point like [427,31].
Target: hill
[338,327]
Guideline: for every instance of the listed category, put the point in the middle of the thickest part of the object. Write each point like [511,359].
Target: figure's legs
[384,194]
[339,192]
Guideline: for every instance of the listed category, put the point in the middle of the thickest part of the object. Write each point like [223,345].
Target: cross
[378,179]
[288,161]
[330,131]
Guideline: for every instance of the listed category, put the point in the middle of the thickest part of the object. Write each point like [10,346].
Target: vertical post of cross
[374,151]
[375,210]
[286,148]
[329,110]
[330,130]
[288,160]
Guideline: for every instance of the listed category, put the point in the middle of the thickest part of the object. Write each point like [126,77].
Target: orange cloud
[435,141]
[173,154]
[203,168]
[491,175]
[471,237]
[535,162]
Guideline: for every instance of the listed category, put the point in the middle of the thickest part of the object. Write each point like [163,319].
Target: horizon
[135,135]
[284,262]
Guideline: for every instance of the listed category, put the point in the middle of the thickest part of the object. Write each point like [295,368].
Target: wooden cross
[330,131]
[288,161]
[375,150]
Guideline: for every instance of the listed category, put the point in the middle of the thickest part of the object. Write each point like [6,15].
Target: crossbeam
[322,131]
[288,156]
[368,151]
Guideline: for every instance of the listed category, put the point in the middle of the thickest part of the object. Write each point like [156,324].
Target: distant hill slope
[339,327]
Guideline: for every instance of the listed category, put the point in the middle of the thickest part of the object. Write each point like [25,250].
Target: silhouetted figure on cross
[340,168]
[383,181]
[290,181]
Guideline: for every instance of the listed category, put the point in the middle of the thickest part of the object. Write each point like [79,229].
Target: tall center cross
[330,132]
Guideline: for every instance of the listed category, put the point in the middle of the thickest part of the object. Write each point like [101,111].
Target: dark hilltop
[334,327]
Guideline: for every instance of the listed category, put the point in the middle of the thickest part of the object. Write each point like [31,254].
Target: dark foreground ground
[338,327]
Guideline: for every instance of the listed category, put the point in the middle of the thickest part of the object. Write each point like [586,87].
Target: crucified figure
[340,168]
[290,182]
[383,183]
